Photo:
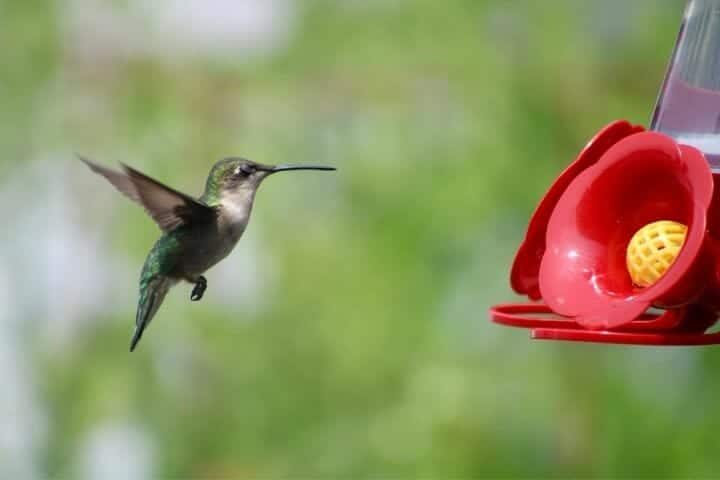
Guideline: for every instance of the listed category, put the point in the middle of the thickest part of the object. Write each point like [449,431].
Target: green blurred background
[347,336]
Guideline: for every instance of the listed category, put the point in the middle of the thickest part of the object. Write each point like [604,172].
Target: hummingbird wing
[168,207]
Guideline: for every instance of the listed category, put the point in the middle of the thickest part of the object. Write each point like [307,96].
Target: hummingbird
[196,232]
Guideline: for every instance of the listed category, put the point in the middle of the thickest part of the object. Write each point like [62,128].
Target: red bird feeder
[625,246]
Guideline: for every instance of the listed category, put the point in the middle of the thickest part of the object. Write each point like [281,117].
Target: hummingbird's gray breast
[206,246]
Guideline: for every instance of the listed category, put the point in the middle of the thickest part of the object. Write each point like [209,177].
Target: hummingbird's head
[235,174]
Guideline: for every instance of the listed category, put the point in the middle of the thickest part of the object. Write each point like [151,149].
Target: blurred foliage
[372,355]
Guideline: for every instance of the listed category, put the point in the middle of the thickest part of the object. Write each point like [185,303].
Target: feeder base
[659,329]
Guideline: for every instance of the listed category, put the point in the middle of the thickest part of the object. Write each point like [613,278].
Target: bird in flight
[196,232]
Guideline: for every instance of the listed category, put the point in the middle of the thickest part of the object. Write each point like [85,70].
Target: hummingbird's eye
[244,170]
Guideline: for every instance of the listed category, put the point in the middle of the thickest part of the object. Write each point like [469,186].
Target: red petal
[524,276]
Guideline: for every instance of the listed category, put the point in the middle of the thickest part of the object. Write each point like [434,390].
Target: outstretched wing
[168,207]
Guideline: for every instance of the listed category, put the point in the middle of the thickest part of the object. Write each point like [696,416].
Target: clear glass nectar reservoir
[688,107]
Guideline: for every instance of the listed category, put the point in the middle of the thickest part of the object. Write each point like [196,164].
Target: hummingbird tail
[152,294]
[136,337]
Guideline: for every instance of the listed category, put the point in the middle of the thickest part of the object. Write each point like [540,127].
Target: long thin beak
[285,168]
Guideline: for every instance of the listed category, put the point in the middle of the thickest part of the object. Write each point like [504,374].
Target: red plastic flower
[574,253]
[573,256]
[641,179]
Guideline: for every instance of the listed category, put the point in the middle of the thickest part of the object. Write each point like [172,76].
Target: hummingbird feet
[199,290]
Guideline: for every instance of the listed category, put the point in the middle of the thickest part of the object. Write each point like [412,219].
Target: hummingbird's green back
[162,257]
